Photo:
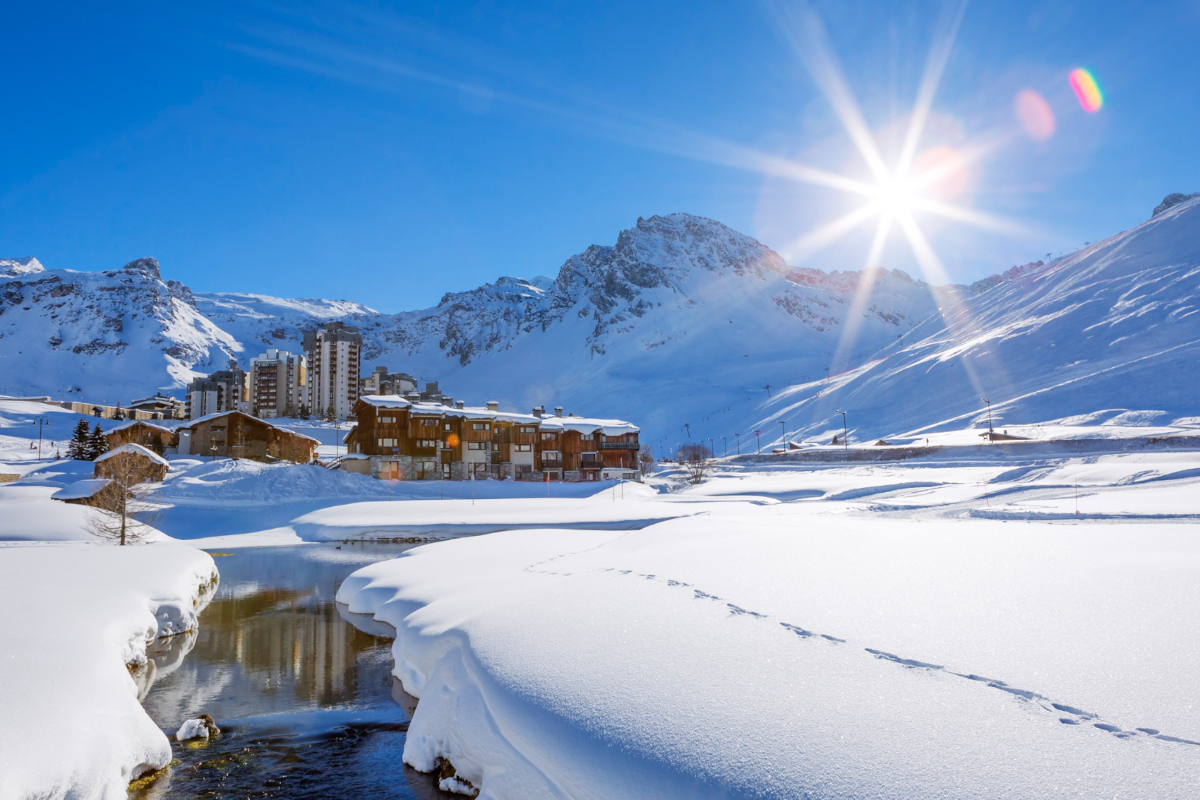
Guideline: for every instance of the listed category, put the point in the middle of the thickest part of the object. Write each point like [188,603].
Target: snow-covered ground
[75,614]
[934,628]
[979,621]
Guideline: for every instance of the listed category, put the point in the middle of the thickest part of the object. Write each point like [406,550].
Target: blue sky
[390,153]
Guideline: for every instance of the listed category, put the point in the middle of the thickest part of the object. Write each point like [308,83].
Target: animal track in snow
[1075,716]
[1068,715]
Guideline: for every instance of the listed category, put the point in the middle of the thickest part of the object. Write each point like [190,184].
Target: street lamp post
[724,446]
[40,421]
[212,449]
[783,423]
[337,438]
[845,430]
[758,441]
[711,451]
[739,443]
[989,406]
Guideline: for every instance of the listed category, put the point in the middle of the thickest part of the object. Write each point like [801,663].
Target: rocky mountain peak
[17,267]
[143,266]
[1172,200]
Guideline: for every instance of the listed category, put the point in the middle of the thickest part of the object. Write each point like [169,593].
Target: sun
[894,196]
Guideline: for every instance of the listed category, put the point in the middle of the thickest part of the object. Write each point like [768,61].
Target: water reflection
[304,699]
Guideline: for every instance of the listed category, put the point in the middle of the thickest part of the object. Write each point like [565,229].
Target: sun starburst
[919,182]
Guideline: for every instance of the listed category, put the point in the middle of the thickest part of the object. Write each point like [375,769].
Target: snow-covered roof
[135,449]
[355,457]
[385,401]
[210,417]
[133,422]
[81,490]
[609,427]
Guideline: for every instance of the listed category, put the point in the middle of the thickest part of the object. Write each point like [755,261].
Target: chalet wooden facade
[408,440]
[130,464]
[232,434]
[147,434]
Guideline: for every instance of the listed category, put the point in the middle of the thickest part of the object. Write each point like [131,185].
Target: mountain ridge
[679,316]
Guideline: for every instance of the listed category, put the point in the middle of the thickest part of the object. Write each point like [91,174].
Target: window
[478,445]
[528,429]
[447,426]
[383,442]
[548,437]
[523,448]
[551,455]
[430,423]
[427,443]
[387,420]
[480,426]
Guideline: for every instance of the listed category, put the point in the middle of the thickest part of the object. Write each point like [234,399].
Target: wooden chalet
[130,464]
[412,440]
[233,434]
[90,492]
[147,434]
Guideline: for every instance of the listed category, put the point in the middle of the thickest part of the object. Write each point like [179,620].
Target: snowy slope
[1106,335]
[103,336]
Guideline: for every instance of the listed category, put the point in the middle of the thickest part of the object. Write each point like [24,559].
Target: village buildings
[234,434]
[380,381]
[277,384]
[159,406]
[412,440]
[333,353]
[130,464]
[224,390]
[153,437]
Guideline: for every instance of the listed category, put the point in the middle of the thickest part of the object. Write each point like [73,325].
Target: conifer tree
[77,448]
[97,445]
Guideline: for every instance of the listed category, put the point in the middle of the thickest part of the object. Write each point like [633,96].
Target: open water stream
[306,702]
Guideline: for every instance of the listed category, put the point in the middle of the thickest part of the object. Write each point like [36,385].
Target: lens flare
[452,440]
[1034,114]
[1087,90]
[941,173]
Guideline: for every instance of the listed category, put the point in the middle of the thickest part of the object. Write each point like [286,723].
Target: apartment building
[333,354]
[277,384]
[224,390]
[413,440]
[382,382]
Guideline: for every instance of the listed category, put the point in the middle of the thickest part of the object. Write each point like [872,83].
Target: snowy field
[928,629]
[970,623]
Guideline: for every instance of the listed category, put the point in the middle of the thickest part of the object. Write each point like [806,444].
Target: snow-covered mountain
[1107,335]
[684,325]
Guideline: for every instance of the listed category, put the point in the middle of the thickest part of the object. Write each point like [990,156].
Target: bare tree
[123,511]
[697,461]
[646,459]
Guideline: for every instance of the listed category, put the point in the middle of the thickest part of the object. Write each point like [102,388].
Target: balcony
[620,446]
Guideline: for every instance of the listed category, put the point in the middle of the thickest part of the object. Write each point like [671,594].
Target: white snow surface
[75,615]
[192,729]
[938,628]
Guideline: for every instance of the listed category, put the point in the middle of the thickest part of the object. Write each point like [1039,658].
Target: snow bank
[458,517]
[229,483]
[28,514]
[75,615]
[783,651]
